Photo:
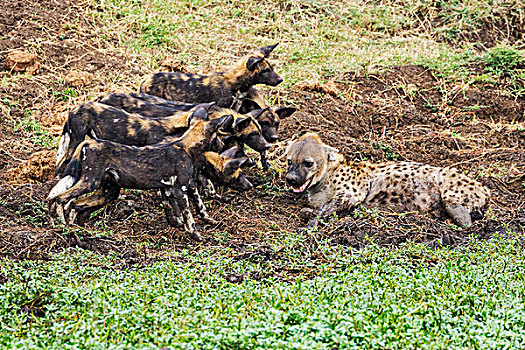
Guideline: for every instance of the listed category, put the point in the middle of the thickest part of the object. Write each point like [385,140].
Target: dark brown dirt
[405,113]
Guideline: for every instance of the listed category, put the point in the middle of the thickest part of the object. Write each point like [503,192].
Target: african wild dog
[221,169]
[219,87]
[108,123]
[144,104]
[252,102]
[334,183]
[269,119]
[168,167]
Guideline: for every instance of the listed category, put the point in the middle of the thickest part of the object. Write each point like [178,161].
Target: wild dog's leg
[264,160]
[325,210]
[207,185]
[181,196]
[171,208]
[199,205]
[460,214]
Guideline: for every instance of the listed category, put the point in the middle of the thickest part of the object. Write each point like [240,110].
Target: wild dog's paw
[210,220]
[195,235]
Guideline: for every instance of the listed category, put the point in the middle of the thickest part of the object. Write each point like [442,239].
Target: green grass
[376,298]
[318,39]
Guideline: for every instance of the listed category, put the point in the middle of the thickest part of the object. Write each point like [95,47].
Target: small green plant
[387,149]
[503,60]
[37,133]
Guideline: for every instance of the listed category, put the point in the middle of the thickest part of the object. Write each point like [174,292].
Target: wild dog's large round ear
[200,112]
[248,105]
[230,152]
[241,123]
[331,152]
[267,50]
[224,123]
[252,62]
[284,112]
[258,112]
[233,164]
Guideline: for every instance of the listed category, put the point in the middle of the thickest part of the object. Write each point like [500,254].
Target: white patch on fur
[170,181]
[62,186]
[84,153]
[62,147]
[92,134]
[184,188]
[113,173]
[115,120]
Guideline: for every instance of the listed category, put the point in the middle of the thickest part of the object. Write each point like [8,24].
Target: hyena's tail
[71,174]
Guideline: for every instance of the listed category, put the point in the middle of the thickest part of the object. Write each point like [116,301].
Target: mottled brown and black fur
[219,87]
[168,167]
[334,183]
[144,104]
[269,119]
[105,122]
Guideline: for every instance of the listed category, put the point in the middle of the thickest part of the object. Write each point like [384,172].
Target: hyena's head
[308,160]
[226,171]
[254,69]
[268,118]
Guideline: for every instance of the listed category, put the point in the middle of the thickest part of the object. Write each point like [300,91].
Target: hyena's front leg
[199,205]
[325,210]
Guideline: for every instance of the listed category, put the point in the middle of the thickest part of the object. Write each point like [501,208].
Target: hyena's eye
[308,163]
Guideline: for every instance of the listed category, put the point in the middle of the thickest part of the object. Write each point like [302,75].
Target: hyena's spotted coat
[334,183]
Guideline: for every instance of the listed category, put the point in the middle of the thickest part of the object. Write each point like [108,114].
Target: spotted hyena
[333,183]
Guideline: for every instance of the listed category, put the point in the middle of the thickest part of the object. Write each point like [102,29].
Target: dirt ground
[405,113]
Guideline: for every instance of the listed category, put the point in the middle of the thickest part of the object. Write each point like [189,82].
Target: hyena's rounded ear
[267,50]
[285,112]
[241,123]
[248,105]
[252,62]
[331,152]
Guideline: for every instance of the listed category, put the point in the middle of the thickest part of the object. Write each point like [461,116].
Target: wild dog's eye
[289,161]
[266,70]
[264,124]
[308,163]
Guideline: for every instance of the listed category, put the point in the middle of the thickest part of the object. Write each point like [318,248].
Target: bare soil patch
[405,113]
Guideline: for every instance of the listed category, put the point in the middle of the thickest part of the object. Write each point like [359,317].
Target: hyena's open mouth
[304,186]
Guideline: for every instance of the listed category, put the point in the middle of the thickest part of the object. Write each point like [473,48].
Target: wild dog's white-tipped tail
[62,147]
[62,186]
